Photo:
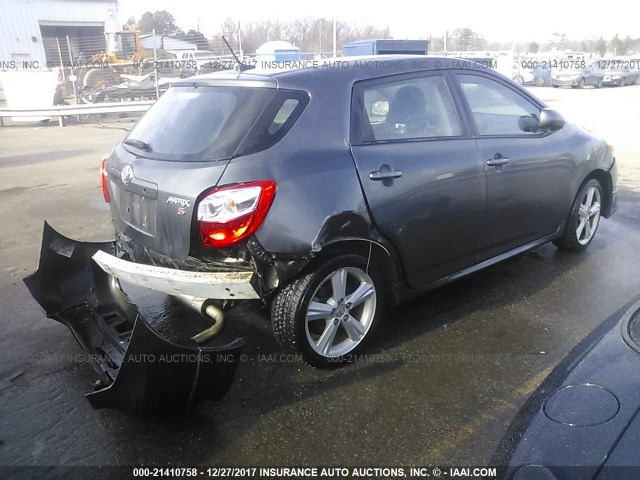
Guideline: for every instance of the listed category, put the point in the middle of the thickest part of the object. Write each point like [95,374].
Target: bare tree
[465,39]
[310,35]
[161,21]
[558,39]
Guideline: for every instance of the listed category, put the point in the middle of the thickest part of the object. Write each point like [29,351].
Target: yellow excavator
[127,57]
[126,48]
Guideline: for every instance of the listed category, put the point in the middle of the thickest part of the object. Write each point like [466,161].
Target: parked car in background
[325,193]
[542,76]
[621,76]
[528,71]
[192,61]
[590,75]
[522,75]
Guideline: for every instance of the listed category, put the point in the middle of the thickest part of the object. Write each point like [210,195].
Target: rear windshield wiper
[139,144]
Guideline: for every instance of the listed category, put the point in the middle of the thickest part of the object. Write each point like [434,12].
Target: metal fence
[105,69]
[119,70]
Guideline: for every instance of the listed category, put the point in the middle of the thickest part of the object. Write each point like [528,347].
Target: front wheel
[329,313]
[584,218]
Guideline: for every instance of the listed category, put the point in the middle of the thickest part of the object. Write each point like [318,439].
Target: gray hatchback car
[327,191]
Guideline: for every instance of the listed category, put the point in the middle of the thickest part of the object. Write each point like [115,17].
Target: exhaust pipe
[206,308]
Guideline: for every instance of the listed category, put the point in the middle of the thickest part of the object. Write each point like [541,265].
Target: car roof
[353,69]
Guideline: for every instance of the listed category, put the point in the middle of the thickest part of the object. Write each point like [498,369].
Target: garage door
[84,40]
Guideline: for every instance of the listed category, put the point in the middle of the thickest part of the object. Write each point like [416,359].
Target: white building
[165,42]
[37,30]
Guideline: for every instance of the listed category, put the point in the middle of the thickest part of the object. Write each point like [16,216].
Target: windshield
[198,124]
[125,45]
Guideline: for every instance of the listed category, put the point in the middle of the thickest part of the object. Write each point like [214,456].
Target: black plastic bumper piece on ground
[139,370]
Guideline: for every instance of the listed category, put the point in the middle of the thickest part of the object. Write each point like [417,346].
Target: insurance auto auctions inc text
[376,472]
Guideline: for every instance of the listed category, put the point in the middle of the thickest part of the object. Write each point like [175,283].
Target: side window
[405,109]
[287,108]
[275,121]
[498,110]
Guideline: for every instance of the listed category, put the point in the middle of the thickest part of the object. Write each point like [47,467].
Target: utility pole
[155,63]
[321,23]
[335,37]
[240,42]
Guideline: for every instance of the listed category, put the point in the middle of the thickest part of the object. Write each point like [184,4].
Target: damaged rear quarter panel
[318,198]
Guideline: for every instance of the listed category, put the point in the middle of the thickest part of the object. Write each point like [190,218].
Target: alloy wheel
[341,312]
[588,215]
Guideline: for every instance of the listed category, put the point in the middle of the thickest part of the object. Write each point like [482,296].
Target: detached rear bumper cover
[139,370]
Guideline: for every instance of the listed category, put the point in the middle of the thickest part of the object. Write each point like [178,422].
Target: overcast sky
[519,21]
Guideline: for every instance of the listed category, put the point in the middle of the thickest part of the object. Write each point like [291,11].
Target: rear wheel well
[377,254]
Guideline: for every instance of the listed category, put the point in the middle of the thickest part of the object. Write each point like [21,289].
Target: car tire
[539,82]
[519,79]
[584,218]
[332,331]
[554,86]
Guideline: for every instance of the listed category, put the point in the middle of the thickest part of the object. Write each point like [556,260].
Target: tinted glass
[276,120]
[204,123]
[406,109]
[287,108]
[496,109]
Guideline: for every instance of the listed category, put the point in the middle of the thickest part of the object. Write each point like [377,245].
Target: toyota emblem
[127,174]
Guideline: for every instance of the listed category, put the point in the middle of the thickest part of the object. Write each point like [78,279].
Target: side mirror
[551,120]
[528,123]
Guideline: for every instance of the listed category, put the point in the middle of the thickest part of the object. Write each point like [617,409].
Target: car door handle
[385,171]
[497,162]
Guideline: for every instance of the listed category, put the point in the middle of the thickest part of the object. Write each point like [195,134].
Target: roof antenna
[241,66]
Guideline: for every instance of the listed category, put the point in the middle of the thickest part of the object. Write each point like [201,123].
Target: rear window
[199,123]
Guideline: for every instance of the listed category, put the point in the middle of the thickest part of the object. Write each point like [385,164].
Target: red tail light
[103,179]
[230,214]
